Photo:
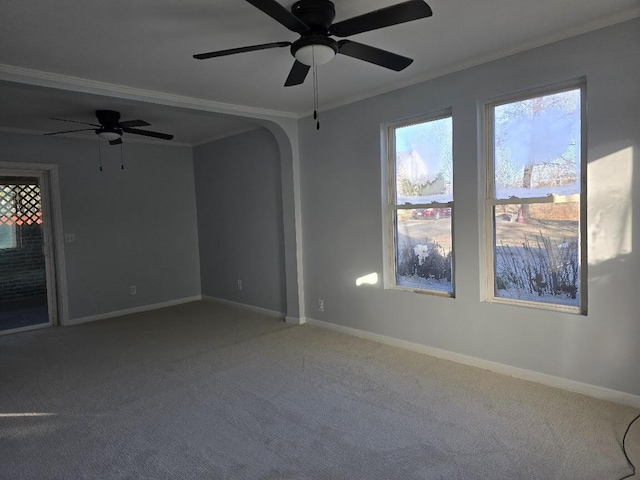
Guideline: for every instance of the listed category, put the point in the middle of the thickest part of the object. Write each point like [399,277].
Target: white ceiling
[27,109]
[148,44]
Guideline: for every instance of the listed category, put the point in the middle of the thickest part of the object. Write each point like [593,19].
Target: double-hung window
[420,205]
[535,199]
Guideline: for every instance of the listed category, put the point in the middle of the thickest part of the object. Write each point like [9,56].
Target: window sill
[435,293]
[538,305]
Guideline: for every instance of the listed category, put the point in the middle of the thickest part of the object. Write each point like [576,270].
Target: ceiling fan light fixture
[315,54]
[314,50]
[108,134]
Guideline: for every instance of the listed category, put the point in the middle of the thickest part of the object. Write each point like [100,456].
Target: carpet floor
[206,391]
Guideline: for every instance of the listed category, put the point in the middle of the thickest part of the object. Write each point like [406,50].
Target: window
[420,207]
[19,207]
[7,220]
[535,199]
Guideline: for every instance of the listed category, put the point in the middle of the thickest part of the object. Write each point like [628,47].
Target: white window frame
[490,201]
[390,206]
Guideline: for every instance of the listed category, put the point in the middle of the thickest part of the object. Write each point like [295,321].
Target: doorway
[27,276]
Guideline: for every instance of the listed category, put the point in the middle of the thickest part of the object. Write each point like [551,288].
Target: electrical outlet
[239,284]
[133,290]
[69,238]
[320,305]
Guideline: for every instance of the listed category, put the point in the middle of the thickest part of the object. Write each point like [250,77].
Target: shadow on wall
[613,266]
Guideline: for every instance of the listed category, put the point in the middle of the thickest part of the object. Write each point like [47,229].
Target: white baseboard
[295,320]
[128,311]
[516,372]
[244,306]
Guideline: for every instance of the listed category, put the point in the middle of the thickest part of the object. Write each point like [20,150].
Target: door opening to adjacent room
[27,285]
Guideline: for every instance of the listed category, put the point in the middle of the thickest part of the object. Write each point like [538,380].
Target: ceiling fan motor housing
[108,118]
[318,15]
[315,47]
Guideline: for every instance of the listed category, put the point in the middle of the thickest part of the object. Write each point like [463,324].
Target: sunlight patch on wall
[610,187]
[370,279]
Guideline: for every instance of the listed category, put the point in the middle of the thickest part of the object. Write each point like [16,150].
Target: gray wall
[239,202]
[342,224]
[132,227]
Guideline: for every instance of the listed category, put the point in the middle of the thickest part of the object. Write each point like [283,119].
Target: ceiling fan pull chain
[315,87]
[315,97]
[315,69]
[314,72]
[121,158]
[100,154]
[316,115]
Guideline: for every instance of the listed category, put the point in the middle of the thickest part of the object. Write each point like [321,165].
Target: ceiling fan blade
[117,141]
[148,133]
[384,17]
[73,121]
[232,51]
[133,123]
[280,14]
[369,54]
[70,131]
[297,74]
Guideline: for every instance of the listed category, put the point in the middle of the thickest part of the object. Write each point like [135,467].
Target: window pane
[7,218]
[537,146]
[7,235]
[536,252]
[424,162]
[424,249]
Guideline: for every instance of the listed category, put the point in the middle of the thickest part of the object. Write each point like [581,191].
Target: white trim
[516,372]
[299,239]
[58,244]
[49,247]
[414,206]
[564,34]
[28,328]
[554,307]
[129,311]
[549,198]
[244,306]
[232,133]
[392,206]
[488,107]
[295,320]
[41,78]
[65,82]
[55,203]
[91,136]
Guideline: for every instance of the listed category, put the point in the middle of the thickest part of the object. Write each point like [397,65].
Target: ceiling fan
[111,128]
[312,20]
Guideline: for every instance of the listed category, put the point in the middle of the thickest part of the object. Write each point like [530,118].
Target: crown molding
[134,139]
[54,80]
[41,78]
[89,136]
[598,24]
[231,133]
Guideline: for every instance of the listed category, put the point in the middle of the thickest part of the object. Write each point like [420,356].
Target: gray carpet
[203,391]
